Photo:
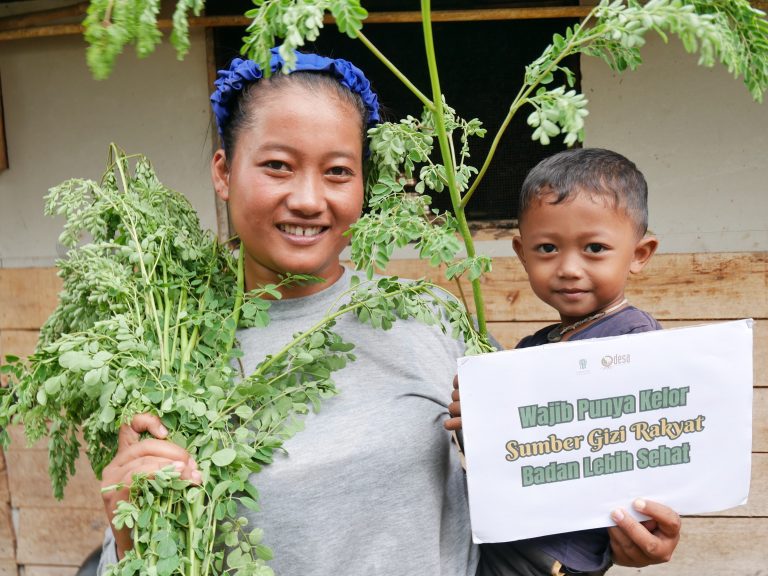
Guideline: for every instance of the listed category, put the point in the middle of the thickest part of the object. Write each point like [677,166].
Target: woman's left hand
[652,541]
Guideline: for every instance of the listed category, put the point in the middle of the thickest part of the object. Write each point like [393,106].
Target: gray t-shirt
[372,485]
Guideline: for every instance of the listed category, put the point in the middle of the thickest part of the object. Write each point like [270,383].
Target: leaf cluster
[402,170]
[295,22]
[146,324]
[111,24]
[730,31]
[385,300]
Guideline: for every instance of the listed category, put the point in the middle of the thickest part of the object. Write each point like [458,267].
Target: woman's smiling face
[294,184]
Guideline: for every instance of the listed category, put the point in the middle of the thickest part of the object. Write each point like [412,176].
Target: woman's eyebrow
[282,147]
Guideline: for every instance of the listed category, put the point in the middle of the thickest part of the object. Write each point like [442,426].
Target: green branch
[392,68]
[445,151]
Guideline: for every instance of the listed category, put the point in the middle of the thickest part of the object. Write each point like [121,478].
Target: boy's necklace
[557,333]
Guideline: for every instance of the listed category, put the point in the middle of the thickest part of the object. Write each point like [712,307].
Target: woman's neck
[258,278]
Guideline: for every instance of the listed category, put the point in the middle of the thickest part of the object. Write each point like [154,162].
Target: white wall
[59,123]
[698,137]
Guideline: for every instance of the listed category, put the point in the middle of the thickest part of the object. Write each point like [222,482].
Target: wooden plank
[42,17]
[713,547]
[5,495]
[672,287]
[704,286]
[760,420]
[526,13]
[33,570]
[19,343]
[27,297]
[30,484]
[59,536]
[510,333]
[7,540]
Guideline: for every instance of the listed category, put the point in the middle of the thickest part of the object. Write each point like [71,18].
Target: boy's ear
[644,249]
[220,174]
[517,244]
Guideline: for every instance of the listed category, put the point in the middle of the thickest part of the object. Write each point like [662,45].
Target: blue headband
[241,73]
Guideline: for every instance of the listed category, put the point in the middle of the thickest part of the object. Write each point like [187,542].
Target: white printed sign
[557,436]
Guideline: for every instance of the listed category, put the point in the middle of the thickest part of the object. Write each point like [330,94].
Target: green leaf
[224,457]
[250,503]
[263,552]
[220,488]
[166,546]
[168,565]
[107,415]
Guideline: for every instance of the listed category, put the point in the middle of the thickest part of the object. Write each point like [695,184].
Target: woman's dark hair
[245,106]
[593,171]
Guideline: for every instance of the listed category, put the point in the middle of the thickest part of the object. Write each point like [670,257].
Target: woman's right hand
[135,456]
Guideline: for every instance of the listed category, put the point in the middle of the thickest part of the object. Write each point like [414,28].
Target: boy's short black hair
[593,170]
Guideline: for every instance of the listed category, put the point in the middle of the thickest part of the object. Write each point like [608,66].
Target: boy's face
[579,253]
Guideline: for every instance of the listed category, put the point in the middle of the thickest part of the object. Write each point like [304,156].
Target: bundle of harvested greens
[146,323]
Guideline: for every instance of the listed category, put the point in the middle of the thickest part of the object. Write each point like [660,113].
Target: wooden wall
[47,537]
[51,538]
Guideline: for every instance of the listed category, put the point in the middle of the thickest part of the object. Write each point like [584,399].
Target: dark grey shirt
[588,550]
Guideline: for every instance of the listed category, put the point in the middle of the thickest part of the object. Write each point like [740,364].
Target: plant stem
[238,295]
[179,308]
[328,318]
[574,45]
[490,154]
[186,352]
[183,339]
[131,226]
[193,513]
[166,318]
[392,68]
[445,151]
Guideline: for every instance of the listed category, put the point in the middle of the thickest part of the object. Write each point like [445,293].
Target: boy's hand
[454,408]
[639,544]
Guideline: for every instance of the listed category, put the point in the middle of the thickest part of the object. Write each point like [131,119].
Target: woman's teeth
[300,230]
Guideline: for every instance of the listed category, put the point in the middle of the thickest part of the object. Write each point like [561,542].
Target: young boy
[583,217]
